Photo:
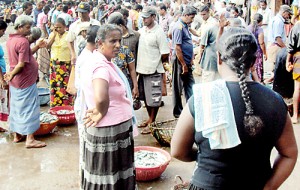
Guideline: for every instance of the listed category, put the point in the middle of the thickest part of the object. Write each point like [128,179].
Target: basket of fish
[163,131]
[65,114]
[47,123]
[150,162]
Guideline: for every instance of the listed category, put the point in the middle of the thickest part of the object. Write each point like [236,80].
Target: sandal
[142,125]
[146,131]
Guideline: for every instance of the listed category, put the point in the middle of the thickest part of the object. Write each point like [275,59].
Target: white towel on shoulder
[214,115]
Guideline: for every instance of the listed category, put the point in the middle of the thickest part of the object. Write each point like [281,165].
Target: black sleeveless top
[246,166]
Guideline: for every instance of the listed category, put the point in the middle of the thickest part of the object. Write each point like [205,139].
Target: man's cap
[286,8]
[83,7]
[127,4]
[148,11]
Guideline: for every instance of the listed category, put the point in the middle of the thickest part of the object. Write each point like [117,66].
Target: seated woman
[235,123]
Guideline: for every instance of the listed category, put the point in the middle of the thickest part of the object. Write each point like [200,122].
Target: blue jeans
[179,82]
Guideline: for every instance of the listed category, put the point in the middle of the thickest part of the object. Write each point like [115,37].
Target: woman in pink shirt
[108,148]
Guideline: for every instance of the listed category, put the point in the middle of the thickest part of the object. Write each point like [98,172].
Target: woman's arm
[101,98]
[286,159]
[183,138]
[51,39]
[261,41]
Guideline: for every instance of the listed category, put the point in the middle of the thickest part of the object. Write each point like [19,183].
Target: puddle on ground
[47,166]
[65,133]
[4,138]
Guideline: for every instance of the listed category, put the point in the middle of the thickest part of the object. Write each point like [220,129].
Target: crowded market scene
[149,94]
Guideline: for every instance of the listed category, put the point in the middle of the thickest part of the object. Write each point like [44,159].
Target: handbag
[71,83]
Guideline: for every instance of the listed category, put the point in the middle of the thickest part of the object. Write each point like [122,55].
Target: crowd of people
[103,57]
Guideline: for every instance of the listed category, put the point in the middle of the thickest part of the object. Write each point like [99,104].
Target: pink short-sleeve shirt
[41,19]
[120,108]
[18,49]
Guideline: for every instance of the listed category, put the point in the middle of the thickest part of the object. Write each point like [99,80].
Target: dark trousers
[180,82]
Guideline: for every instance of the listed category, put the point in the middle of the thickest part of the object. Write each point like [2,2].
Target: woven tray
[163,131]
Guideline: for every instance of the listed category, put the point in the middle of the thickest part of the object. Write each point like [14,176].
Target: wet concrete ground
[55,167]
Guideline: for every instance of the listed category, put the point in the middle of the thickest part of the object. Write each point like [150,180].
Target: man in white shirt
[73,38]
[267,16]
[64,15]
[153,51]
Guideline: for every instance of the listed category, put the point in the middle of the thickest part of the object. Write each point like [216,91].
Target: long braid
[253,124]
[238,51]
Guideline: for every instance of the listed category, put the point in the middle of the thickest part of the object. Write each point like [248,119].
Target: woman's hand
[92,118]
[8,76]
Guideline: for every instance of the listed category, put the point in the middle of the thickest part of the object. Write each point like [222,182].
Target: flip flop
[146,131]
[142,125]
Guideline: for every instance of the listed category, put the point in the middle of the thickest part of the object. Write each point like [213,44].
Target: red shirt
[70,12]
[18,49]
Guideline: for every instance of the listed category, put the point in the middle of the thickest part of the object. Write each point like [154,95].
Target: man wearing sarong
[24,116]
[153,51]
[293,63]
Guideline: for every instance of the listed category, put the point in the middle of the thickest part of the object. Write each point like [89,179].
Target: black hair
[65,8]
[3,25]
[189,10]
[46,8]
[257,18]
[124,12]
[163,6]
[61,21]
[235,9]
[116,18]
[138,7]
[263,1]
[238,51]
[91,33]
[118,7]
[26,5]
[204,8]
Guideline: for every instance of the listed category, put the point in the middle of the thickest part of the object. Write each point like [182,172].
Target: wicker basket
[163,131]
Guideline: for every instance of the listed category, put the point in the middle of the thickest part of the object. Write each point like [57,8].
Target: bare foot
[294,120]
[35,144]
[19,138]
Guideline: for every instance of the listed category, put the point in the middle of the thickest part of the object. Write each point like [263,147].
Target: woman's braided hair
[237,48]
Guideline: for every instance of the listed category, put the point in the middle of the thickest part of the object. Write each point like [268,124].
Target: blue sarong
[24,115]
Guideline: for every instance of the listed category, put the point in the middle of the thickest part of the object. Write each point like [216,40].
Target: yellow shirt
[59,49]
